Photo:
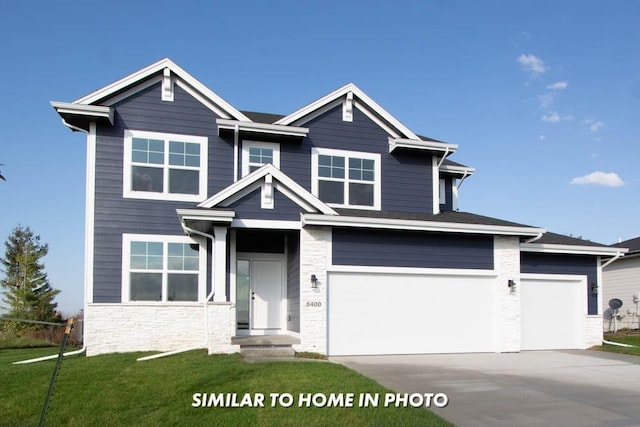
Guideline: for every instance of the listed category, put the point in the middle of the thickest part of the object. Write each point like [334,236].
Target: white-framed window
[346,178]
[256,154]
[163,268]
[442,191]
[164,166]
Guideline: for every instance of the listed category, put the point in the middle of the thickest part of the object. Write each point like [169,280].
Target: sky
[542,97]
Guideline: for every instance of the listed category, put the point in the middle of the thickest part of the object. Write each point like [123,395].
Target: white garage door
[410,314]
[553,311]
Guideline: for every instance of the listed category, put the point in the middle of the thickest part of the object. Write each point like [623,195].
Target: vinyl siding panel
[448,193]
[385,248]
[564,264]
[621,280]
[115,215]
[249,207]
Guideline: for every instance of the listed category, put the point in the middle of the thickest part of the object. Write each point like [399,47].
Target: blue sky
[543,97]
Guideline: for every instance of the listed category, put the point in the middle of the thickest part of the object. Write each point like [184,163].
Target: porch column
[220,264]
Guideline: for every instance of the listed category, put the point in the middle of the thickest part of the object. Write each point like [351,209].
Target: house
[621,280]
[335,225]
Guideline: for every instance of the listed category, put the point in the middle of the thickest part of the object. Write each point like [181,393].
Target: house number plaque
[314,304]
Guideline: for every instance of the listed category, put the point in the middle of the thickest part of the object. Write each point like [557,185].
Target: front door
[259,294]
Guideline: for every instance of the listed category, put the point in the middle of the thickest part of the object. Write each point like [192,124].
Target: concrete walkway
[535,388]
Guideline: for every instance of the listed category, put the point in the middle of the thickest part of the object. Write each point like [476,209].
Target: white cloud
[610,179]
[595,126]
[546,100]
[532,64]
[542,137]
[552,117]
[558,86]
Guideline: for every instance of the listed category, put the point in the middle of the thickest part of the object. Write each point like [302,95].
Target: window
[442,191]
[162,269]
[346,178]
[164,166]
[257,154]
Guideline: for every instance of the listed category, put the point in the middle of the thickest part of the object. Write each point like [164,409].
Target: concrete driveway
[534,388]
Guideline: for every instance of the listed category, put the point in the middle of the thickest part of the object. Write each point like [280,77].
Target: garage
[378,313]
[553,308]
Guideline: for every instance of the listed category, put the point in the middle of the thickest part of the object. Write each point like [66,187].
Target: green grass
[117,390]
[7,342]
[624,337]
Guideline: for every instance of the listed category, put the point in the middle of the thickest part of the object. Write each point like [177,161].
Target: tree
[27,290]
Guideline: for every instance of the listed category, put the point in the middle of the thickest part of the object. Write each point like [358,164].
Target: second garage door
[553,312]
[410,314]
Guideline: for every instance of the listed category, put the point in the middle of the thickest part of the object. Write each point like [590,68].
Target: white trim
[203,99]
[553,277]
[347,108]
[233,260]
[165,240]
[299,115]
[599,284]
[266,224]
[201,214]
[268,169]
[247,145]
[155,68]
[404,224]
[203,142]
[167,85]
[411,271]
[457,170]
[435,185]
[241,194]
[569,249]
[219,267]
[319,112]
[377,182]
[262,127]
[419,144]
[89,222]
[267,195]
[92,111]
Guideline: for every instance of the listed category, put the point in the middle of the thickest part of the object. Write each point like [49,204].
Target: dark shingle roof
[560,239]
[262,117]
[632,244]
[447,216]
[426,138]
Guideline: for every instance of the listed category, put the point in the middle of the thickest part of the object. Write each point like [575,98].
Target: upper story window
[162,268]
[346,178]
[442,191]
[164,166]
[257,154]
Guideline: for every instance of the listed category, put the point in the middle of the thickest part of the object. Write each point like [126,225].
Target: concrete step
[267,351]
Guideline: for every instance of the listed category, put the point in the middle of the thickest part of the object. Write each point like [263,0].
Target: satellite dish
[615,303]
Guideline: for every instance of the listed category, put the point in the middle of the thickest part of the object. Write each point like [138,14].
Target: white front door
[266,294]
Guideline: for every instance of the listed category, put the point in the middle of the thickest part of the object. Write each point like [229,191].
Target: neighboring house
[621,280]
[335,224]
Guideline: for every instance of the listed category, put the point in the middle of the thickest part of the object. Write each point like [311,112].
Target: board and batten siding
[115,215]
[540,263]
[406,176]
[390,248]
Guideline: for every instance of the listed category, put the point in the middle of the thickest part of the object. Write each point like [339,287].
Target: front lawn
[631,337]
[117,390]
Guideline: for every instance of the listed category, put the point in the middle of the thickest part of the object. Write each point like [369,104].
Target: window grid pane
[146,255]
[184,154]
[260,155]
[361,169]
[149,151]
[182,256]
[331,166]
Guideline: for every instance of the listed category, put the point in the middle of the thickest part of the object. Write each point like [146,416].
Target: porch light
[512,286]
[594,288]
[314,281]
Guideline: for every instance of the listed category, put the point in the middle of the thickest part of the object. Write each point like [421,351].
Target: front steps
[268,347]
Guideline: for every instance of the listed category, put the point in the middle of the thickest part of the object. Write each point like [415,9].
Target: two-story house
[335,225]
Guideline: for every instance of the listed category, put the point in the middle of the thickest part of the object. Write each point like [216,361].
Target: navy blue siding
[564,264]
[406,176]
[293,282]
[249,207]
[388,248]
[115,215]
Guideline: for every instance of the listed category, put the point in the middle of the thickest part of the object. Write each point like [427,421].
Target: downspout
[204,306]
[539,236]
[618,255]
[53,356]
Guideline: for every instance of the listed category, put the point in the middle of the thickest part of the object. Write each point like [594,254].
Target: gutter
[619,344]
[533,239]
[204,307]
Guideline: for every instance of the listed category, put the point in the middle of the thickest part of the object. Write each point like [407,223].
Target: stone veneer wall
[507,265]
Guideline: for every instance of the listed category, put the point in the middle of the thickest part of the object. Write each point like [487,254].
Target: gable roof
[360,99]
[267,173]
[632,244]
[186,80]
[268,118]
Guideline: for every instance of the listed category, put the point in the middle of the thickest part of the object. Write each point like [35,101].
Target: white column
[220,264]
